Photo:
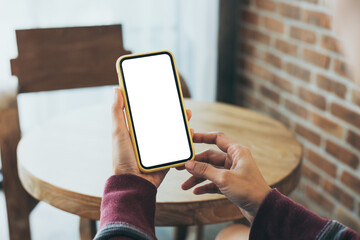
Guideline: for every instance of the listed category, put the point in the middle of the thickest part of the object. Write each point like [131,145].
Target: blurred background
[278,57]
[186,28]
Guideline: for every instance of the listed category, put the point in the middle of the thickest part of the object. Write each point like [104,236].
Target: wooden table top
[66,161]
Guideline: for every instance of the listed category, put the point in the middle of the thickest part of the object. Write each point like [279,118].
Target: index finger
[218,138]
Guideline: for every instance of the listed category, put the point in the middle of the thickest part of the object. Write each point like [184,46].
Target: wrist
[257,201]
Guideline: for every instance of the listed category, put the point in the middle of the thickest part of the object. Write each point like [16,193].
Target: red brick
[246,82]
[321,162]
[356,97]
[342,154]
[252,101]
[353,182]
[273,24]
[353,139]
[316,58]
[319,199]
[346,199]
[277,115]
[342,69]
[255,35]
[298,72]
[328,126]
[346,114]
[330,43]
[270,94]
[248,49]
[257,70]
[296,108]
[286,47]
[273,60]
[240,63]
[303,35]
[313,98]
[268,5]
[310,174]
[308,134]
[317,18]
[330,85]
[282,83]
[249,17]
[289,11]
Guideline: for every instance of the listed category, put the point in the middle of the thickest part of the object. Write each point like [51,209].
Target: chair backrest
[65,58]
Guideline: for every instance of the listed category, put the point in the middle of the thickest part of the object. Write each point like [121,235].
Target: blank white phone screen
[155,107]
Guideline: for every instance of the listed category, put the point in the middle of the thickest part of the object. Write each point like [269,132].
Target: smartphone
[155,110]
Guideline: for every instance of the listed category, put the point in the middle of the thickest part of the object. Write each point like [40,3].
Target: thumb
[203,170]
[119,122]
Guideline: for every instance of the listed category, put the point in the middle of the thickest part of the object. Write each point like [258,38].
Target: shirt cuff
[281,218]
[128,208]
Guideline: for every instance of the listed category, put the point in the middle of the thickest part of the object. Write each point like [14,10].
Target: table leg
[87,229]
[180,232]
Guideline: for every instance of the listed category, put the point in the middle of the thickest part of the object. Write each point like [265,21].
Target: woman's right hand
[232,172]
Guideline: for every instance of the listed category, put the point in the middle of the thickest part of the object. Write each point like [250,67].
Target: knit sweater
[128,211]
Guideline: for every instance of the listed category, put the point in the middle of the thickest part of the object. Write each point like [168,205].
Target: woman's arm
[128,204]
[127,209]
[233,172]
[281,218]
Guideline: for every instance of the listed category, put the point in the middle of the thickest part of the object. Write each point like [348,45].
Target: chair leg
[1,179]
[181,232]
[18,202]
[242,221]
[199,232]
[87,229]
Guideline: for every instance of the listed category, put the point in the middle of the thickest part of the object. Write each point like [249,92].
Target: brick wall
[289,66]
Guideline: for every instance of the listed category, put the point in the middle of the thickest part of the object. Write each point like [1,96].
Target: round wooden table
[67,161]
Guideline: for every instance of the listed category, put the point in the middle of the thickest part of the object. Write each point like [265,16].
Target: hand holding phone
[124,160]
[155,111]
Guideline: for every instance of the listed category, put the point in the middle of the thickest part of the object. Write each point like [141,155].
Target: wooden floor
[48,222]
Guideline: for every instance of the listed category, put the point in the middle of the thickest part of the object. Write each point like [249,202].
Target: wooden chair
[52,59]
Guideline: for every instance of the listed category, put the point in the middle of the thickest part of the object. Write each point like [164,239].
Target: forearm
[281,218]
[127,209]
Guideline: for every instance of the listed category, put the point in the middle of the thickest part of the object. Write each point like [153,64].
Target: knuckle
[208,154]
[224,178]
[115,108]
[234,148]
[118,132]
[200,168]
[220,134]
[239,149]
[247,151]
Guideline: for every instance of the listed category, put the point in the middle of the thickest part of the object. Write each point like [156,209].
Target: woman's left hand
[124,160]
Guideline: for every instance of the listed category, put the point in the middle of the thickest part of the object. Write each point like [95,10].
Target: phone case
[130,123]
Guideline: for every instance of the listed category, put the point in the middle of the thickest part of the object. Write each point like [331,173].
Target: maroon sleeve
[127,208]
[281,218]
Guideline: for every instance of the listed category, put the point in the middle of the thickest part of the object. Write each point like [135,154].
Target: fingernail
[190,165]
